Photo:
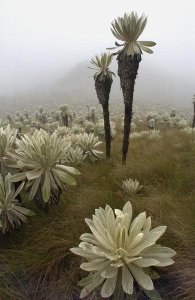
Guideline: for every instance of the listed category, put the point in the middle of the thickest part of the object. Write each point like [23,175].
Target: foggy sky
[41,40]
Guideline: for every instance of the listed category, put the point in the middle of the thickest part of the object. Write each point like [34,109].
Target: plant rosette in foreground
[39,158]
[119,245]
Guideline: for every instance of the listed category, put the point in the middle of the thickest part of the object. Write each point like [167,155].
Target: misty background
[46,47]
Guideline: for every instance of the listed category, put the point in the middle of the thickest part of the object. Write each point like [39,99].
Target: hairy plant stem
[127,70]
[107,129]
[103,87]
[64,119]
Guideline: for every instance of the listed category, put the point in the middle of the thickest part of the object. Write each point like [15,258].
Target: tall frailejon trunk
[103,87]
[93,118]
[64,119]
[127,129]
[127,71]
[107,129]
[193,122]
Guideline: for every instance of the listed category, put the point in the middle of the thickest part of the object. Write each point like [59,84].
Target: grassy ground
[35,260]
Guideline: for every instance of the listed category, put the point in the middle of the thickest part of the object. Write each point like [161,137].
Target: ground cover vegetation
[36,259]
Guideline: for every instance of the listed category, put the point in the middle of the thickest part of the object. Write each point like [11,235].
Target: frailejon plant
[92,114]
[103,83]
[189,130]
[63,131]
[64,114]
[183,123]
[99,128]
[89,126]
[39,157]
[151,123]
[150,135]
[76,156]
[12,213]
[7,140]
[119,251]
[127,29]
[89,142]
[154,134]
[131,186]
[76,129]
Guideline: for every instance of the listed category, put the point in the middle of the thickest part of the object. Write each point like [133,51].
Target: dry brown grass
[35,260]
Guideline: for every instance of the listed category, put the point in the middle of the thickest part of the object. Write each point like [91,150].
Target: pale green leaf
[46,188]
[108,287]
[147,43]
[64,177]
[34,174]
[68,169]
[17,177]
[153,295]
[34,188]
[142,278]
[127,280]
[24,210]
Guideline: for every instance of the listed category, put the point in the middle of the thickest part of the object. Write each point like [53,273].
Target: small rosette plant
[118,250]
[131,186]
[88,143]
